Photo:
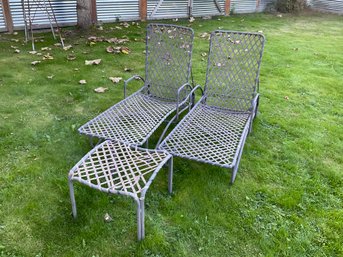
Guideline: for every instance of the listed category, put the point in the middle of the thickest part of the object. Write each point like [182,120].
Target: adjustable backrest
[233,69]
[168,59]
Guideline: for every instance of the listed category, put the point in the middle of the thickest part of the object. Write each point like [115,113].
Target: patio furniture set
[213,131]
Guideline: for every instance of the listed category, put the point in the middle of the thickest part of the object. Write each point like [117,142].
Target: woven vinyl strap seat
[209,134]
[124,121]
[215,130]
[118,168]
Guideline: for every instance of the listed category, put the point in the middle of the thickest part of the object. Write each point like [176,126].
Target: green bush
[290,5]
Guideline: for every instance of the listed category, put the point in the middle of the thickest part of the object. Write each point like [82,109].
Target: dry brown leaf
[107,218]
[35,62]
[66,48]
[125,50]
[191,19]
[286,98]
[45,49]
[17,51]
[32,52]
[82,82]
[58,44]
[100,89]
[128,69]
[203,54]
[48,57]
[115,79]
[14,47]
[71,57]
[50,76]
[93,62]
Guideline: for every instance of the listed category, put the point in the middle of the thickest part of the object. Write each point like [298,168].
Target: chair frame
[203,102]
[181,101]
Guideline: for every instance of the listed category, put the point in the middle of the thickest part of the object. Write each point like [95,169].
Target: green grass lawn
[288,196]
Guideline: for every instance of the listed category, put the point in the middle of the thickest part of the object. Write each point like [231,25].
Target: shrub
[290,5]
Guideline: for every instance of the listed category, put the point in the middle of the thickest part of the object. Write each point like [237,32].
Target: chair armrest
[178,97]
[130,79]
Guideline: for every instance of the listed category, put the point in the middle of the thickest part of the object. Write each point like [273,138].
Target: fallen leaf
[45,49]
[115,79]
[32,52]
[100,89]
[17,51]
[58,44]
[82,82]
[35,62]
[71,57]
[39,54]
[107,218]
[92,43]
[66,48]
[14,47]
[15,40]
[50,76]
[260,31]
[279,15]
[117,27]
[128,69]
[100,28]
[93,62]
[191,19]
[125,50]
[286,98]
[76,69]
[48,57]
[203,54]
[205,35]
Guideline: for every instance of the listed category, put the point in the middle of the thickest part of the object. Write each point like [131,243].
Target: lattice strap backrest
[168,59]
[233,69]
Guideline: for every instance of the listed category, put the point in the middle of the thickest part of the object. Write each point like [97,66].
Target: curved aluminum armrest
[178,97]
[128,80]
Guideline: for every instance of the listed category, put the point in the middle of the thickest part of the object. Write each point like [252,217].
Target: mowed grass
[288,196]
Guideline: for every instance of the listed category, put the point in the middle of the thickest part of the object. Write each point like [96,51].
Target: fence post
[7,15]
[94,14]
[227,7]
[143,9]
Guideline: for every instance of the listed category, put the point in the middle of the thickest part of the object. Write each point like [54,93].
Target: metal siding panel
[2,19]
[335,6]
[205,8]
[111,10]
[263,5]
[168,9]
[243,6]
[65,12]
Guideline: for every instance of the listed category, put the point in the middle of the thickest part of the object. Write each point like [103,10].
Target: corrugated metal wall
[243,6]
[2,21]
[264,4]
[111,10]
[168,9]
[204,8]
[335,6]
[65,12]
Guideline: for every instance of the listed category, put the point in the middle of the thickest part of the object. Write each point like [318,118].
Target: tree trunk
[84,13]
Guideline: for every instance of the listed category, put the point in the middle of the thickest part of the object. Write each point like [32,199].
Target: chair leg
[139,220]
[147,144]
[170,176]
[235,168]
[142,218]
[72,198]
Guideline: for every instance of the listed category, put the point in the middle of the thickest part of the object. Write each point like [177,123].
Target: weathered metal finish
[116,168]
[117,10]
[334,6]
[65,12]
[208,8]
[215,130]
[243,6]
[263,4]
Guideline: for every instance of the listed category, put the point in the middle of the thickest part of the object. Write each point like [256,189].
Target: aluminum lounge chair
[167,71]
[215,130]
